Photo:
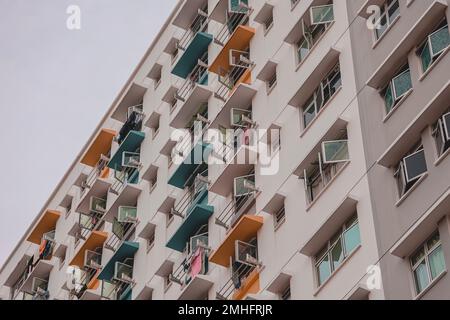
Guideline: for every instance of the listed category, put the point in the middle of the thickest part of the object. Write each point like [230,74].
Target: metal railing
[232,144]
[124,177]
[197,76]
[238,205]
[81,286]
[234,283]
[182,207]
[199,24]
[95,173]
[228,80]
[234,20]
[121,232]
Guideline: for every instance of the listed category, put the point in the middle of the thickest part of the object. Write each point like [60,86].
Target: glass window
[427,263]
[410,169]
[397,88]
[434,46]
[338,248]
[389,11]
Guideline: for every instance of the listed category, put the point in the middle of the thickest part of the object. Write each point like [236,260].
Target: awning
[126,250]
[46,224]
[100,145]
[94,241]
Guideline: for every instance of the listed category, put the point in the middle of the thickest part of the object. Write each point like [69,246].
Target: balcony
[93,243]
[191,151]
[246,229]
[233,63]
[117,274]
[195,41]
[100,146]
[126,160]
[243,199]
[245,269]
[194,209]
[47,223]
[34,279]
[192,271]
[123,227]
[85,288]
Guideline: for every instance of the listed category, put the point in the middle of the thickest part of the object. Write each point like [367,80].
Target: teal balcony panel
[198,215]
[193,52]
[126,250]
[190,164]
[131,143]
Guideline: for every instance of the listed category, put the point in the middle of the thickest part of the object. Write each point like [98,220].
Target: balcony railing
[93,220]
[234,20]
[245,193]
[121,232]
[245,263]
[194,135]
[128,174]
[182,208]
[81,285]
[196,255]
[198,75]
[121,282]
[238,72]
[199,24]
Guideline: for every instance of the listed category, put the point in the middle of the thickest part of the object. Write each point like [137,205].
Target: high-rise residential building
[261,150]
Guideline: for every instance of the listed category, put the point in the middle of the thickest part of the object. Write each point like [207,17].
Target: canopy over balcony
[131,143]
[94,241]
[45,224]
[126,250]
[100,145]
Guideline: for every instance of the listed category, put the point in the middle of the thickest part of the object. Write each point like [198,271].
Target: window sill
[377,41]
[344,262]
[442,157]
[319,113]
[408,193]
[402,100]
[308,208]
[300,63]
[431,285]
[433,65]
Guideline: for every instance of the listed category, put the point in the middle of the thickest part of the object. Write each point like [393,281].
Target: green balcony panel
[194,51]
[190,164]
[198,215]
[126,250]
[126,295]
[131,143]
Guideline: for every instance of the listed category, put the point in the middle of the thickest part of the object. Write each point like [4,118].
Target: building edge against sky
[358,132]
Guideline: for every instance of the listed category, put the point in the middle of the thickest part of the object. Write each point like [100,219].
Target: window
[338,248]
[275,140]
[427,263]
[434,46]
[286,294]
[271,82]
[167,281]
[169,218]
[397,88]
[268,22]
[294,3]
[441,133]
[389,11]
[311,36]
[330,161]
[150,241]
[322,14]
[279,218]
[410,169]
[326,90]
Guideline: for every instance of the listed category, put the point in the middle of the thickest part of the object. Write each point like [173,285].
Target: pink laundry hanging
[196,265]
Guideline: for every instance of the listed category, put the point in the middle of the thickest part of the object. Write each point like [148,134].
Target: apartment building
[261,150]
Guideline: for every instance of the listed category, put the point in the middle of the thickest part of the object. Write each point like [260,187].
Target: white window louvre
[446,125]
[131,160]
[335,151]
[322,14]
[127,214]
[415,166]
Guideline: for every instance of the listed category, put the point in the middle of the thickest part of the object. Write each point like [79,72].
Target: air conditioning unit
[39,286]
[123,272]
[131,160]
[92,260]
[127,214]
[97,205]
[246,253]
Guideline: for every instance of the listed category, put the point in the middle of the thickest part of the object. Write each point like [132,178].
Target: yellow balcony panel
[244,230]
[240,40]
[249,286]
[100,145]
[46,224]
[95,240]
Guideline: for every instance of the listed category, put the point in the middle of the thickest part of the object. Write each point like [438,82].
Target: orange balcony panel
[95,240]
[94,283]
[244,230]
[240,40]
[249,286]
[101,145]
[46,224]
[246,78]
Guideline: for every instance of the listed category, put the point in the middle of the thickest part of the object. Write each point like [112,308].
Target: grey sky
[55,85]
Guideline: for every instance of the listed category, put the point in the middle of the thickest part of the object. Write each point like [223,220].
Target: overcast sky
[55,85]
